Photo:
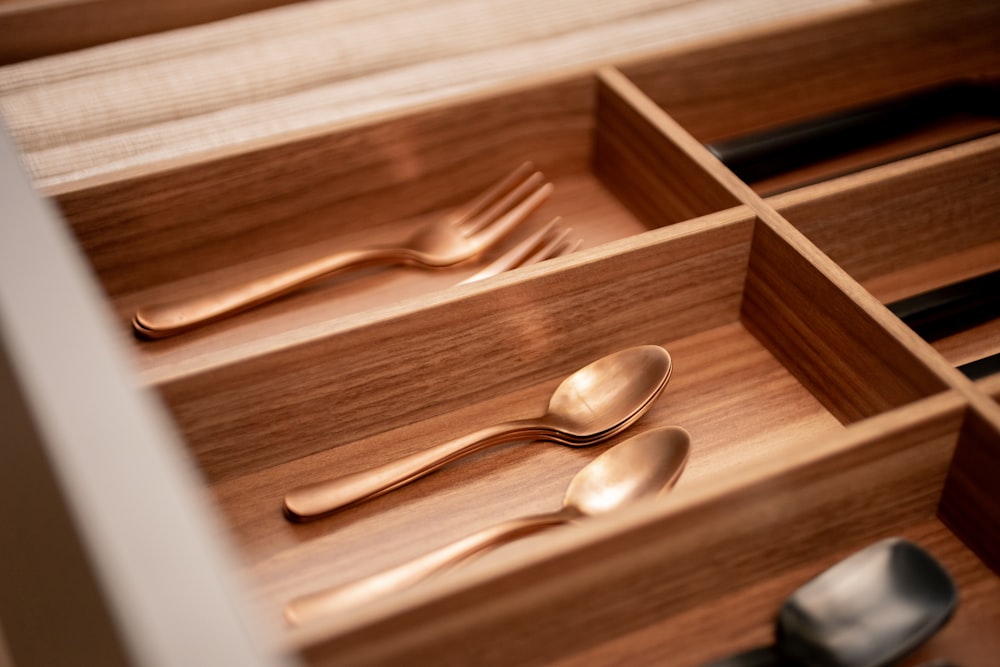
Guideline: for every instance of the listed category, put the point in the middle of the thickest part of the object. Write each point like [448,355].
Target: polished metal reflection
[869,610]
[591,405]
[550,241]
[639,468]
[441,244]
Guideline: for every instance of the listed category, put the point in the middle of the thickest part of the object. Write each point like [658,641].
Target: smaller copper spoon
[641,467]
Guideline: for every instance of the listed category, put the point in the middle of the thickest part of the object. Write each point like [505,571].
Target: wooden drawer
[819,422]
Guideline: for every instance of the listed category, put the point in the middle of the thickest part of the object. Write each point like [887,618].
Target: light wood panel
[36,29]
[912,226]
[349,206]
[594,216]
[175,96]
[804,308]
[970,506]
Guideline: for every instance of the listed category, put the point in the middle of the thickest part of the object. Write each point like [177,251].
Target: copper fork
[548,242]
[443,243]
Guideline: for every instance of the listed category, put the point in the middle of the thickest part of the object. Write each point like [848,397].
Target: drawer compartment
[819,422]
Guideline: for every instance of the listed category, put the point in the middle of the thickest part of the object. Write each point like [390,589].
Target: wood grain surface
[182,94]
[743,618]
[37,29]
[820,423]
[152,228]
[642,163]
[729,87]
[736,400]
[912,226]
[877,478]
[815,337]
[287,398]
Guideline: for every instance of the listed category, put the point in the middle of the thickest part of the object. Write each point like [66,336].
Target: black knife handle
[772,152]
[953,308]
[980,368]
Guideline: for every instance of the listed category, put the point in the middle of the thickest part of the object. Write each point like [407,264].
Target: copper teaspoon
[641,467]
[591,405]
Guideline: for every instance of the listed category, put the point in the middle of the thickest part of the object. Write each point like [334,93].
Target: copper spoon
[591,405]
[641,467]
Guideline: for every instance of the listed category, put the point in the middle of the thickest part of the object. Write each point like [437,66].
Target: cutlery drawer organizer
[819,421]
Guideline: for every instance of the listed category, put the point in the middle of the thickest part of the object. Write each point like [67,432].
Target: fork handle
[314,500]
[340,598]
[160,321]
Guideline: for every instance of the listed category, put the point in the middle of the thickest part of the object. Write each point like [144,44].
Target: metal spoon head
[641,467]
[868,610]
[595,401]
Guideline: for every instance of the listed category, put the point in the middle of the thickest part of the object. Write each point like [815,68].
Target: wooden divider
[33,30]
[801,70]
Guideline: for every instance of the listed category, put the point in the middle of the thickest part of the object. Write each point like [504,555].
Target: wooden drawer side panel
[729,88]
[905,214]
[970,504]
[854,366]
[33,29]
[643,164]
[338,388]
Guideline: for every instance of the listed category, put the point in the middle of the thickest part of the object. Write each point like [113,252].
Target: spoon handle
[341,598]
[314,500]
[160,321]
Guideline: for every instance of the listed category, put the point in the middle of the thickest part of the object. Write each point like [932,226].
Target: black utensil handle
[953,308]
[764,656]
[769,153]
[980,368]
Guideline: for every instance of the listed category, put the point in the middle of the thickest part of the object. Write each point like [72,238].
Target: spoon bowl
[608,393]
[869,610]
[639,468]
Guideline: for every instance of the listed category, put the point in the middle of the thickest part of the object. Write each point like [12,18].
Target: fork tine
[515,255]
[494,193]
[557,247]
[543,244]
[500,227]
[496,210]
